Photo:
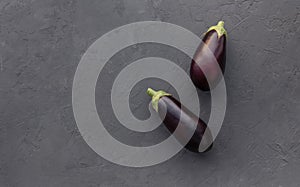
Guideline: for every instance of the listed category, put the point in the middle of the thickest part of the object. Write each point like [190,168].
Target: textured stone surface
[41,43]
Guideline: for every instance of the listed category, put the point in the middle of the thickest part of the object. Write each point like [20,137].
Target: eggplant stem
[219,28]
[221,23]
[151,92]
[156,95]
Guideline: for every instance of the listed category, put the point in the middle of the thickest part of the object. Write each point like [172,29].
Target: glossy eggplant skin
[170,110]
[211,49]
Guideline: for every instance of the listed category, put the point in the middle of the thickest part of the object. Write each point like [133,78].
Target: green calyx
[156,95]
[219,28]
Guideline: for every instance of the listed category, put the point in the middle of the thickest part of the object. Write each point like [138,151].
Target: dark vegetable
[211,49]
[170,110]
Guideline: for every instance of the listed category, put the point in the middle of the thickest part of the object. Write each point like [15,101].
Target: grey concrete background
[41,43]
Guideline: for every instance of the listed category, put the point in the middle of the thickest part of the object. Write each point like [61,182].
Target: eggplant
[212,49]
[173,113]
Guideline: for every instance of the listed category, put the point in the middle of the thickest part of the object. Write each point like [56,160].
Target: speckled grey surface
[42,41]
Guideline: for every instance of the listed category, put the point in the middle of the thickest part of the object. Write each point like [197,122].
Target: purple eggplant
[170,110]
[210,51]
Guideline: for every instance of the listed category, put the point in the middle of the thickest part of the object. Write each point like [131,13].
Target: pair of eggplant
[172,112]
